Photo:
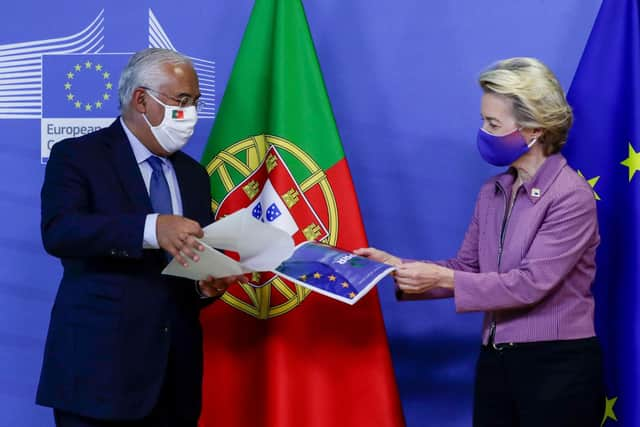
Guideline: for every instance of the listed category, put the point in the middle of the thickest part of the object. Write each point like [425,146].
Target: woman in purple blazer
[527,261]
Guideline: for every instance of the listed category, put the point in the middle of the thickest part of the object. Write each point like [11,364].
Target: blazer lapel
[127,168]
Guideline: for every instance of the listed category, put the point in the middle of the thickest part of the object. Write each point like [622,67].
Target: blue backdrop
[401,76]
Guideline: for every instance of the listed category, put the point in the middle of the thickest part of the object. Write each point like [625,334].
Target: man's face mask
[176,127]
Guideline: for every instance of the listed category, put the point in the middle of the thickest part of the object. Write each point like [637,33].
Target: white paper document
[261,247]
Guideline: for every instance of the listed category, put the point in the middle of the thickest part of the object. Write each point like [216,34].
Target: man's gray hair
[145,70]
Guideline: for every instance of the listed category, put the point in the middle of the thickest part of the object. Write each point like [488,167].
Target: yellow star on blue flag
[632,162]
[609,414]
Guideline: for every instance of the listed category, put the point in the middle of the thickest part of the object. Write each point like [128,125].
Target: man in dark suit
[124,345]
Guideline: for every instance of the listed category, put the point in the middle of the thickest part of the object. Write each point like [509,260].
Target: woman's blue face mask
[502,150]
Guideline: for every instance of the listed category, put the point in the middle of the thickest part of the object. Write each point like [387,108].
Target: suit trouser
[164,413]
[550,384]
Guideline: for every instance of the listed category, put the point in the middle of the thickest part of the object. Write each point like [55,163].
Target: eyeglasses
[183,101]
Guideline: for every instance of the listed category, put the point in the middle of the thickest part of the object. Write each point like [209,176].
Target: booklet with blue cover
[333,272]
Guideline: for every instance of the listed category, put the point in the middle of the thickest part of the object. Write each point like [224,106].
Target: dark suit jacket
[116,321]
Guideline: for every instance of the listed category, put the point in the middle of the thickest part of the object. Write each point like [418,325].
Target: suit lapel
[127,168]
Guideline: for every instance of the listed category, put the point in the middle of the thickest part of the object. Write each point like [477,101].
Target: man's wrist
[150,239]
[201,294]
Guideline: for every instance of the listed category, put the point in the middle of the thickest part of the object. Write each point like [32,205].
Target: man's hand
[177,235]
[213,287]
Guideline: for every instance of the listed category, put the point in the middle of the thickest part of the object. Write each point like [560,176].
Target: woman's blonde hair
[538,99]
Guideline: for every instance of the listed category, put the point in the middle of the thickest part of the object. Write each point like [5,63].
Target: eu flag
[81,85]
[604,145]
[79,95]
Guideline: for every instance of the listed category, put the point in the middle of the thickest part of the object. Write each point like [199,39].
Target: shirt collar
[140,152]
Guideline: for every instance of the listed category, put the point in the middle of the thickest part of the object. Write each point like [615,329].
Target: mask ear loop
[533,141]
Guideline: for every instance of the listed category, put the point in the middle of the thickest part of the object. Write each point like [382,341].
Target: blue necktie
[158,188]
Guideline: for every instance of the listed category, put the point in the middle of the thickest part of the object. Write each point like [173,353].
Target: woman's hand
[419,277]
[378,255]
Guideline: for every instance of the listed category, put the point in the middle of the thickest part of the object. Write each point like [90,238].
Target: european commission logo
[79,95]
[71,85]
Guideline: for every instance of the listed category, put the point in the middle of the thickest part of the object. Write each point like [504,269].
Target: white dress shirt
[142,153]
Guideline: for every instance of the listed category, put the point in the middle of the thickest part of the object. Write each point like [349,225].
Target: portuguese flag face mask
[176,127]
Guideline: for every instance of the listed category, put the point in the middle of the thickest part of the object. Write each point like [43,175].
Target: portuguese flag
[277,354]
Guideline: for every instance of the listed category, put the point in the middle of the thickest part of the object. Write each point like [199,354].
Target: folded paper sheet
[261,247]
[333,272]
